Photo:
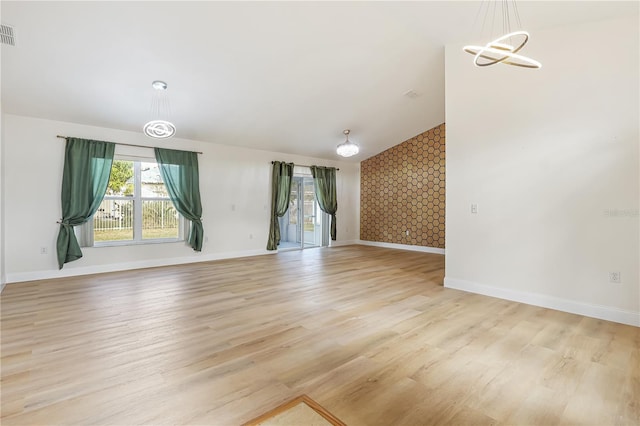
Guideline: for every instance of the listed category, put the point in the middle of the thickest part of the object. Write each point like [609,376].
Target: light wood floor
[368,333]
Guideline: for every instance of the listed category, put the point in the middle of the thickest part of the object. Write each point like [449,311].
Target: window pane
[121,180]
[113,221]
[309,205]
[293,203]
[152,184]
[159,219]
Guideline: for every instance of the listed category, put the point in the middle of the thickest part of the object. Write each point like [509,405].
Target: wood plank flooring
[369,333]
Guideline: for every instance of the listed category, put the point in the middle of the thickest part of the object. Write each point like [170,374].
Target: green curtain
[179,170]
[280,192]
[324,180]
[87,167]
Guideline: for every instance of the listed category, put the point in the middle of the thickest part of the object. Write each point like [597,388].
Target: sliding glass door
[304,224]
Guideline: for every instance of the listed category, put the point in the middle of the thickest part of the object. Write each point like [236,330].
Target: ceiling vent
[7,35]
[411,94]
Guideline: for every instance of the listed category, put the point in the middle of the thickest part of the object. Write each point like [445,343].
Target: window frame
[137,200]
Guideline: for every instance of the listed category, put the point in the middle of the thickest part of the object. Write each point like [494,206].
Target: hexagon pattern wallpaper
[402,192]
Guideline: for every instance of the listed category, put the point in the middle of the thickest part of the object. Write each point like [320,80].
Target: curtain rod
[302,165]
[129,144]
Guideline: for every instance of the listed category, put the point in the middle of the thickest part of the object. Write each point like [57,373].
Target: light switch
[474,208]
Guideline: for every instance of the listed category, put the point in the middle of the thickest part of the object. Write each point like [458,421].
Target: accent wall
[402,192]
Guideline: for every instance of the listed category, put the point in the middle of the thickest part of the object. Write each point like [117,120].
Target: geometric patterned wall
[403,189]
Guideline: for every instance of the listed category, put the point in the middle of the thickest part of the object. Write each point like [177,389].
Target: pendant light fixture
[347,148]
[505,48]
[159,128]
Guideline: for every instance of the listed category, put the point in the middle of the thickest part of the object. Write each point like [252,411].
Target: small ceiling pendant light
[347,148]
[160,128]
[504,49]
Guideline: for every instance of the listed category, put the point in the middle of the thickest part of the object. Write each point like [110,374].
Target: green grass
[308,226]
[113,235]
[127,234]
[148,234]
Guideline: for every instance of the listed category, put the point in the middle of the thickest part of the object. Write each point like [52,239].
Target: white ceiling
[285,77]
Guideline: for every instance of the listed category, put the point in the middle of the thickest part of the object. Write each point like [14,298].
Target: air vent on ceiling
[7,35]
[411,94]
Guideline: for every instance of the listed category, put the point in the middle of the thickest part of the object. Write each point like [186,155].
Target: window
[136,208]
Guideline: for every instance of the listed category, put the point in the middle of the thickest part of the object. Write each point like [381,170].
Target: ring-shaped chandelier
[504,49]
[159,128]
[497,51]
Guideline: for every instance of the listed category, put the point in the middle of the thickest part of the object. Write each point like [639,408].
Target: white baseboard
[402,246]
[342,243]
[125,266]
[589,310]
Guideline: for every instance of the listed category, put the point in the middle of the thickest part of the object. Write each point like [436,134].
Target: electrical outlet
[43,250]
[474,208]
[614,277]
[407,232]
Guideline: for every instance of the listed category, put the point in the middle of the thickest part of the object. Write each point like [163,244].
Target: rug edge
[292,403]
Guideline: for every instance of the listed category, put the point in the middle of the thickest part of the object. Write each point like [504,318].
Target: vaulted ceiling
[285,77]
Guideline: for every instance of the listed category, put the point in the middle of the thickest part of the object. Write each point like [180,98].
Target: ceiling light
[159,128]
[347,148]
[159,85]
[504,49]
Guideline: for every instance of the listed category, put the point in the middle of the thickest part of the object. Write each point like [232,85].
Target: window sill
[136,243]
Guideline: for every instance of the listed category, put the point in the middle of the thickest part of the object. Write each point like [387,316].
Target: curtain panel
[179,170]
[87,167]
[324,180]
[281,176]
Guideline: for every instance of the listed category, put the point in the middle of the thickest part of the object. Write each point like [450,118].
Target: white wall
[3,277]
[234,185]
[551,158]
